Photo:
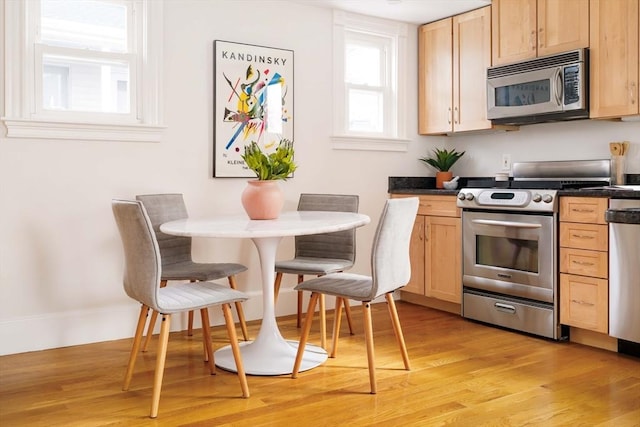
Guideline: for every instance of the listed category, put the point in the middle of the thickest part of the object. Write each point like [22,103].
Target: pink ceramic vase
[262,199]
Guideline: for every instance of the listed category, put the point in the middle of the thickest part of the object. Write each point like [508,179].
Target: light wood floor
[463,374]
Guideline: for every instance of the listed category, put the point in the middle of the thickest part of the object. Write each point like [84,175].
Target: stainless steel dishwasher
[623,217]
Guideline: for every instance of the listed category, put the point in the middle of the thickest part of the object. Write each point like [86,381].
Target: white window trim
[340,139]
[21,119]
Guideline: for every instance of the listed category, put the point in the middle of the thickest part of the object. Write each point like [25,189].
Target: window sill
[41,129]
[345,142]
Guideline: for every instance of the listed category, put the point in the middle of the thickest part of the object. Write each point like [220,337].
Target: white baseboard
[77,327]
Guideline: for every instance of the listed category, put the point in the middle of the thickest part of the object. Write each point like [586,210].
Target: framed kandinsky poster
[253,101]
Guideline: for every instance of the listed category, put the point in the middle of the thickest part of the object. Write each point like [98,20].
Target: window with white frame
[84,69]
[369,95]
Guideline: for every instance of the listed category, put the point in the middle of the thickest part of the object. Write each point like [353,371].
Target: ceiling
[413,11]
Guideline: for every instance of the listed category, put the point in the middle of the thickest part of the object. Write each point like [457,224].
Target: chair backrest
[390,262]
[143,268]
[162,208]
[337,245]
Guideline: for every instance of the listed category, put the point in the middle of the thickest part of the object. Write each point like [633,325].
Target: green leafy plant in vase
[442,161]
[263,198]
[276,165]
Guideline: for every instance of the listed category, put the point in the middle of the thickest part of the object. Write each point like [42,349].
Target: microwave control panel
[571,84]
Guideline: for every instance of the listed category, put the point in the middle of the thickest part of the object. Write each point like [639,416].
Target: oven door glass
[514,253]
[510,253]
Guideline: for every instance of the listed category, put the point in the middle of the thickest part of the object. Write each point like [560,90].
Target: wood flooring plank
[463,373]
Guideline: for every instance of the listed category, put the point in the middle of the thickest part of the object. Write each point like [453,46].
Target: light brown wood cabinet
[436,249]
[525,29]
[614,57]
[454,54]
[584,245]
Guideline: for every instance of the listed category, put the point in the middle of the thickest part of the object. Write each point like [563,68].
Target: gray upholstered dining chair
[390,269]
[142,275]
[320,254]
[177,263]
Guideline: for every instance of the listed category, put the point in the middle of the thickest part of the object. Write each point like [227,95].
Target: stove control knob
[536,198]
[547,198]
[461,196]
[469,196]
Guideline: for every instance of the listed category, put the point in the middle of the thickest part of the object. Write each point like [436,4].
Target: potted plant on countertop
[442,161]
[263,198]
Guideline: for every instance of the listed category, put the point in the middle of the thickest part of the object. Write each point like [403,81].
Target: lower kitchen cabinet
[436,254]
[584,302]
[584,254]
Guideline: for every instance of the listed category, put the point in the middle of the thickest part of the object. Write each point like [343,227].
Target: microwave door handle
[559,87]
[506,223]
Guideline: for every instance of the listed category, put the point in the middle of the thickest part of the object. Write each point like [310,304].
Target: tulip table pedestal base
[270,359]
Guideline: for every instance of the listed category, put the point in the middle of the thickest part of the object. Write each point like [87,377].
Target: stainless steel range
[510,244]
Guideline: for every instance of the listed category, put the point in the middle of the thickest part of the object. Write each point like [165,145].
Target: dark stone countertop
[605,192]
[420,185]
[427,185]
[624,215]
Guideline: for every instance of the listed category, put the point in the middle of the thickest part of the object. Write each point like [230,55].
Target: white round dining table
[269,353]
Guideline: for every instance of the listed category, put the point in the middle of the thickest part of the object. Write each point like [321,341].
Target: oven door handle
[506,223]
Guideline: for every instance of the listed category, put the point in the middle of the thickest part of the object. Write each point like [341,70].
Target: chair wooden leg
[299,320]
[305,333]
[160,359]
[142,318]
[235,349]
[238,304]
[337,319]
[190,325]
[206,335]
[395,320]
[368,336]
[323,322]
[152,323]
[204,347]
[347,311]
[276,287]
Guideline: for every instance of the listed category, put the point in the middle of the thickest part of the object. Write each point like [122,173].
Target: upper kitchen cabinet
[525,29]
[453,57]
[614,57]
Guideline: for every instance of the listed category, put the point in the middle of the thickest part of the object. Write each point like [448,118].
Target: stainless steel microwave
[548,88]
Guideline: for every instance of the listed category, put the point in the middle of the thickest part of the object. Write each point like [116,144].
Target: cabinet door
[513,30]
[416,253]
[614,56]
[592,237]
[443,258]
[563,25]
[590,210]
[584,302]
[435,81]
[471,57]
[436,205]
[584,262]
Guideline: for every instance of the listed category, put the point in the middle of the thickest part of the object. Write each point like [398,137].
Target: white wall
[575,140]
[60,254]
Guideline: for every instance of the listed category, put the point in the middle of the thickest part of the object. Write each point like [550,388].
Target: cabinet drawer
[584,236]
[583,209]
[584,302]
[584,263]
[439,206]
